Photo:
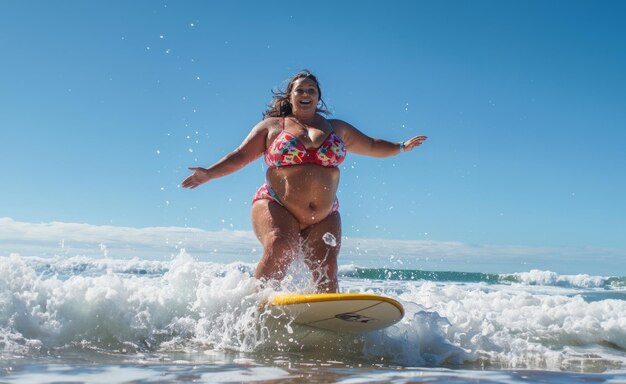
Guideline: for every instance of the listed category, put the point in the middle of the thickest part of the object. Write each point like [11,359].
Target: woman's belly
[308,191]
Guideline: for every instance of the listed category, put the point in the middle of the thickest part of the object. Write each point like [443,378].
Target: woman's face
[304,95]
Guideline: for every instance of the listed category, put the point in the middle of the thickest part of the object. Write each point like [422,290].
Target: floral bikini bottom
[265,192]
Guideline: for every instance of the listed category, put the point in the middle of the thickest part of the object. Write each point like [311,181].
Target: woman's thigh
[279,233]
[322,242]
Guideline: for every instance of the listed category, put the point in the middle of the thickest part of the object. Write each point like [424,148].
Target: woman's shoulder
[268,123]
[272,119]
[269,127]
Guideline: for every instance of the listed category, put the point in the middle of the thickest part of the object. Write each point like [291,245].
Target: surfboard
[339,312]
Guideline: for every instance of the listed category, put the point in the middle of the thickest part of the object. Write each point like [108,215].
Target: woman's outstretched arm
[359,143]
[250,149]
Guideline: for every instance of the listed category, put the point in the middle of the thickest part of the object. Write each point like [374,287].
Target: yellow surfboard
[339,312]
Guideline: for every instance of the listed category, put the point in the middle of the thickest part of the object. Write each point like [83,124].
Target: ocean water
[98,319]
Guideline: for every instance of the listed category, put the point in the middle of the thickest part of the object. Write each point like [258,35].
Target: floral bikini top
[286,149]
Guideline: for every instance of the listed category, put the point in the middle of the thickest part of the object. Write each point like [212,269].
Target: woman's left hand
[413,142]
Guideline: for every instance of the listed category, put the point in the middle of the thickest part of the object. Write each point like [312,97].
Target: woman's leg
[322,242]
[279,233]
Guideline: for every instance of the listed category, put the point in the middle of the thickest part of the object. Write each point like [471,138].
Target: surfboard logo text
[354,317]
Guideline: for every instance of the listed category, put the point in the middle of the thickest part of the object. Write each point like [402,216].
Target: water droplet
[330,239]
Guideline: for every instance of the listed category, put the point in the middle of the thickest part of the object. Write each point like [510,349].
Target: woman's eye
[311,91]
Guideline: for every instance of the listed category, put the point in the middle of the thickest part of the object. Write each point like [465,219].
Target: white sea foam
[537,277]
[128,306]
[121,311]
[418,340]
[519,328]
[346,268]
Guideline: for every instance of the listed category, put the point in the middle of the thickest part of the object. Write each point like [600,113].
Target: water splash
[330,239]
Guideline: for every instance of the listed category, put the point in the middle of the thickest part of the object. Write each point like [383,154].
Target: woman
[297,208]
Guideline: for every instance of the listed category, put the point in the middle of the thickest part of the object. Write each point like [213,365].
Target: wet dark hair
[281,106]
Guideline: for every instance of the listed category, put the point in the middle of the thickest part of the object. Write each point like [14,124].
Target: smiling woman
[296,209]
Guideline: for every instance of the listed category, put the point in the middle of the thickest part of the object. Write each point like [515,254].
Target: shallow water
[94,320]
[273,368]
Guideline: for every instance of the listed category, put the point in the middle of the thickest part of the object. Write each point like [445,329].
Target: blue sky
[104,105]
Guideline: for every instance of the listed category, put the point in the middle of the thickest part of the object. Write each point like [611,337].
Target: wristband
[401,146]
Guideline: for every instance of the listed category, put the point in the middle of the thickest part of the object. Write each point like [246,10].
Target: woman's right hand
[200,176]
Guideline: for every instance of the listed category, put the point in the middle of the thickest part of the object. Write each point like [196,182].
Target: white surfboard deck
[339,312]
